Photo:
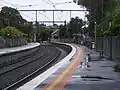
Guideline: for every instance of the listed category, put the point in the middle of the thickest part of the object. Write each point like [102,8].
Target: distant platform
[19,48]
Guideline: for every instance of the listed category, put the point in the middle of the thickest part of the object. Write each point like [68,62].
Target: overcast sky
[44,4]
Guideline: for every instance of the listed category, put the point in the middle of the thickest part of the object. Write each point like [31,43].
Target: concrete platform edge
[32,84]
[7,51]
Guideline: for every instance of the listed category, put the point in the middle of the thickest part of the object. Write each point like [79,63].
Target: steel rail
[30,75]
[22,65]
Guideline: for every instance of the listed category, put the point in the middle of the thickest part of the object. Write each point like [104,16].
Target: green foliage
[46,30]
[26,28]
[44,33]
[62,31]
[113,16]
[11,32]
[75,26]
[89,3]
[116,15]
[11,17]
[114,30]
[102,12]
[99,32]
[107,32]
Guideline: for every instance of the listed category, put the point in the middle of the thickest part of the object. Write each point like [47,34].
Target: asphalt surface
[100,75]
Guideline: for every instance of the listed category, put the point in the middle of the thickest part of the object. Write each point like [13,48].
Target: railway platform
[19,48]
[72,74]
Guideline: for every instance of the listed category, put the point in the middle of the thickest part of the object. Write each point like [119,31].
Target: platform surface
[19,48]
[73,75]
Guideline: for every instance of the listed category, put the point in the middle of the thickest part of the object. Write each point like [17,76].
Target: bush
[11,32]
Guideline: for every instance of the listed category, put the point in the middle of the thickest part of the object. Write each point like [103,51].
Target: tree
[11,32]
[75,26]
[43,32]
[11,17]
[26,28]
[101,11]
[62,31]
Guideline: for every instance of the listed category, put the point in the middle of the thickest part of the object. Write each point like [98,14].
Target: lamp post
[34,34]
[110,24]
[95,35]
[35,27]
[101,31]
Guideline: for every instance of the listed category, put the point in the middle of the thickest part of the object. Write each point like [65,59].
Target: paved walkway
[14,49]
[99,75]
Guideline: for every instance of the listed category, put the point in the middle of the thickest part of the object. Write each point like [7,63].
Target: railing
[12,42]
[107,46]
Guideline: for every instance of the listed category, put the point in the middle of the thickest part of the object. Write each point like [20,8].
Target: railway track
[8,63]
[20,63]
[15,73]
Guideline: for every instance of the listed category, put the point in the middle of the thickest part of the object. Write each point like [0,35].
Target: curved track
[28,65]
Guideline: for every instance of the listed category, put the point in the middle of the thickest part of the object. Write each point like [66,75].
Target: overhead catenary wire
[44,15]
[46,2]
[55,4]
[63,3]
[51,4]
[61,16]
[17,7]
[29,5]
[27,16]
[58,13]
[9,3]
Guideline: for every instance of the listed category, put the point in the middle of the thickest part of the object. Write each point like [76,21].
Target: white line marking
[39,79]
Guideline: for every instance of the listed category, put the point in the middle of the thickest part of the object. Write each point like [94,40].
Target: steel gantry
[50,10]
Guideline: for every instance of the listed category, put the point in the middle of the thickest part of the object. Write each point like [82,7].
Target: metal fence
[12,42]
[110,46]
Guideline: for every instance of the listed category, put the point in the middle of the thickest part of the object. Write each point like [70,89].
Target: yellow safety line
[64,73]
